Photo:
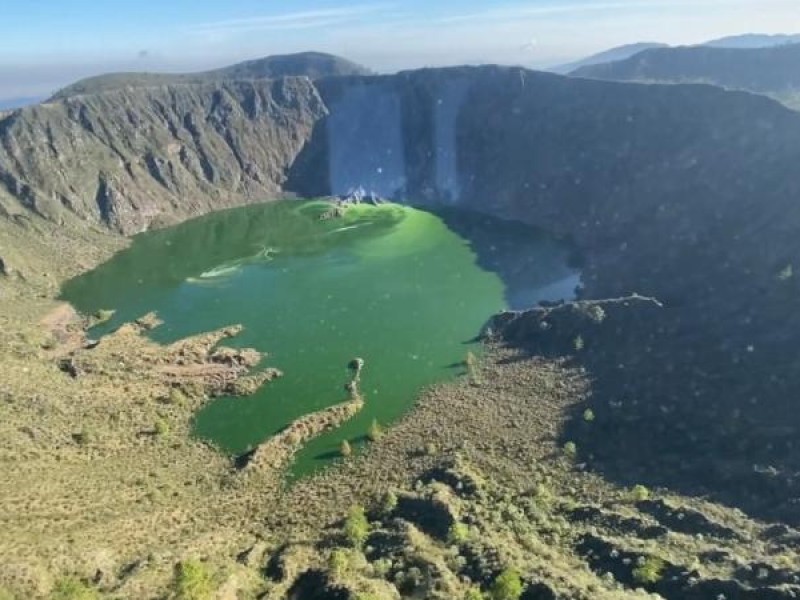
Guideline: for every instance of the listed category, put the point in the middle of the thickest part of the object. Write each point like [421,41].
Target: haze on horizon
[48,44]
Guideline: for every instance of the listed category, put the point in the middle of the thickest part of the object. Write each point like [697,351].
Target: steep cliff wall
[127,159]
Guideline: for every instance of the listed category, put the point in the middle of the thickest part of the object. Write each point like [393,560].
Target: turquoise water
[391,284]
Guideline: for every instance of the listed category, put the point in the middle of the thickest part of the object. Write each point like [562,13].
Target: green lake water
[406,290]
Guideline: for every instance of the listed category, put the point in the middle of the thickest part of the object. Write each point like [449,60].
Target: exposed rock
[685,520]
[149,321]
[433,511]
[250,384]
[569,327]
[129,158]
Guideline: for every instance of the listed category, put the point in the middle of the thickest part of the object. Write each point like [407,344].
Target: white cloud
[291,21]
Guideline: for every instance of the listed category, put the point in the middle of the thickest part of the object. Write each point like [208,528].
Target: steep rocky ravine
[685,193]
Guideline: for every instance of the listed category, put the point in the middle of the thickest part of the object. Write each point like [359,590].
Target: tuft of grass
[72,588]
[193,581]
[340,562]
[579,344]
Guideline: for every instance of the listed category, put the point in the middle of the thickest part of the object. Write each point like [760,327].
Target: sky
[46,44]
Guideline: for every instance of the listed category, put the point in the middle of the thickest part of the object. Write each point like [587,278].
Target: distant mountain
[12,103]
[614,54]
[774,71]
[747,40]
[754,40]
[314,65]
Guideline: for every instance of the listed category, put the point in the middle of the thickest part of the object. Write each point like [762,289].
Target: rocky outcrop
[275,454]
[128,159]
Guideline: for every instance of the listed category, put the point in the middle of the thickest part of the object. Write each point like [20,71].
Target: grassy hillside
[308,64]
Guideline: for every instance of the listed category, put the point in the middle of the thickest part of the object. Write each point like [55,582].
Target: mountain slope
[754,40]
[774,70]
[127,158]
[611,55]
[308,64]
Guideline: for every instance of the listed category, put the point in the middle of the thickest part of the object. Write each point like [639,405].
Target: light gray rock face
[129,159]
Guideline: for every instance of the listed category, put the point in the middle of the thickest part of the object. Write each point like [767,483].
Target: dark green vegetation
[309,64]
[685,194]
[389,283]
[773,70]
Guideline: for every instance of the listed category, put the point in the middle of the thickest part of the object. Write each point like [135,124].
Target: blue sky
[45,44]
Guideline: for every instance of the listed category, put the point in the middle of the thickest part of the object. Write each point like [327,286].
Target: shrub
[375,432]
[570,450]
[786,273]
[649,571]
[177,397]
[588,415]
[85,436]
[596,313]
[579,343]
[640,493]
[474,593]
[472,369]
[356,527]
[339,562]
[381,567]
[161,427]
[193,581]
[507,586]
[388,503]
[101,316]
[72,588]
[345,449]
[458,534]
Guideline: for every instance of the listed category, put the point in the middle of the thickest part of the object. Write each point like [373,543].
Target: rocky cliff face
[684,193]
[128,159]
